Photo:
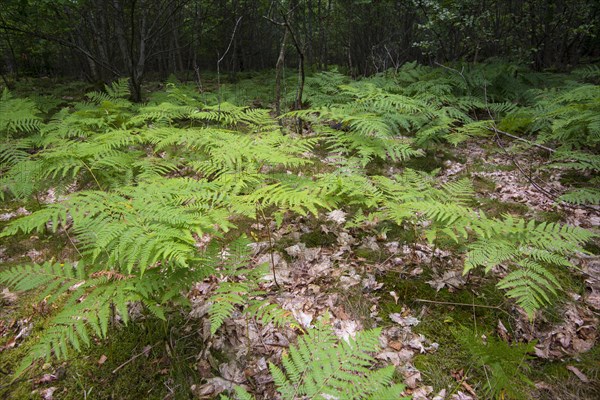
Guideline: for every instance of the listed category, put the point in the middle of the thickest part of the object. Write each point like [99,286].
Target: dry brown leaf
[462,396]
[578,373]
[46,378]
[502,331]
[412,376]
[451,279]
[404,321]
[337,216]
[9,296]
[396,345]
[48,394]
[422,392]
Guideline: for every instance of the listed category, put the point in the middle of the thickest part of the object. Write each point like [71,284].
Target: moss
[549,216]
[496,208]
[483,185]
[168,362]
[428,163]
[593,246]
[438,321]
[140,378]
[369,255]
[316,238]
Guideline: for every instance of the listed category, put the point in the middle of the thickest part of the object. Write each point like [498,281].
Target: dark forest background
[100,40]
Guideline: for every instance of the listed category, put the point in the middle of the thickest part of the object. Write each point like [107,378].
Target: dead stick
[510,135]
[449,303]
[145,351]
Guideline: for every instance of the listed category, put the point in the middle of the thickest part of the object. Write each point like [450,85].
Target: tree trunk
[279,73]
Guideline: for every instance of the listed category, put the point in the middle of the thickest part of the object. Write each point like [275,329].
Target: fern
[88,296]
[226,297]
[146,181]
[320,366]
[528,247]
[235,265]
[18,116]
[589,196]
[506,363]
[531,285]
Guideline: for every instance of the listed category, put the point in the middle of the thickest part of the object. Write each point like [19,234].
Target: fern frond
[223,303]
[18,115]
[319,366]
[588,196]
[507,363]
[56,214]
[531,286]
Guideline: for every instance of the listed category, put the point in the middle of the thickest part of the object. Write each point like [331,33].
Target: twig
[222,57]
[540,189]
[270,245]
[450,303]
[144,351]
[461,72]
[541,146]
[72,243]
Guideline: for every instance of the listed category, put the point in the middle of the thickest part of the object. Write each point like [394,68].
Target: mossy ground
[165,370]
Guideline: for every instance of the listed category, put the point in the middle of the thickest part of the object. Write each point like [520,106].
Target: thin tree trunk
[279,73]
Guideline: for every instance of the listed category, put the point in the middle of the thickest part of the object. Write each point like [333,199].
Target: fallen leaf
[503,332]
[24,332]
[76,286]
[346,329]
[422,392]
[411,377]
[451,279]
[396,345]
[461,396]
[213,387]
[370,284]
[46,378]
[9,345]
[578,374]
[48,394]
[337,216]
[9,296]
[408,321]
[146,350]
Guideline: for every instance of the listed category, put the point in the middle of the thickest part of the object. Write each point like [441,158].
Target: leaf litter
[310,273]
[314,279]
[313,276]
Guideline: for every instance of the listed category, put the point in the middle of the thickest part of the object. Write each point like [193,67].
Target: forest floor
[377,275]
[378,278]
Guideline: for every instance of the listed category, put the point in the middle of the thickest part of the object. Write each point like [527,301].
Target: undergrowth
[136,186]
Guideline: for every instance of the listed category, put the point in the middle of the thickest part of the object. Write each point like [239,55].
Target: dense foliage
[139,188]
[101,40]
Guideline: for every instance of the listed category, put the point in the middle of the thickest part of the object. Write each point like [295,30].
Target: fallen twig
[146,350]
[529,142]
[450,303]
